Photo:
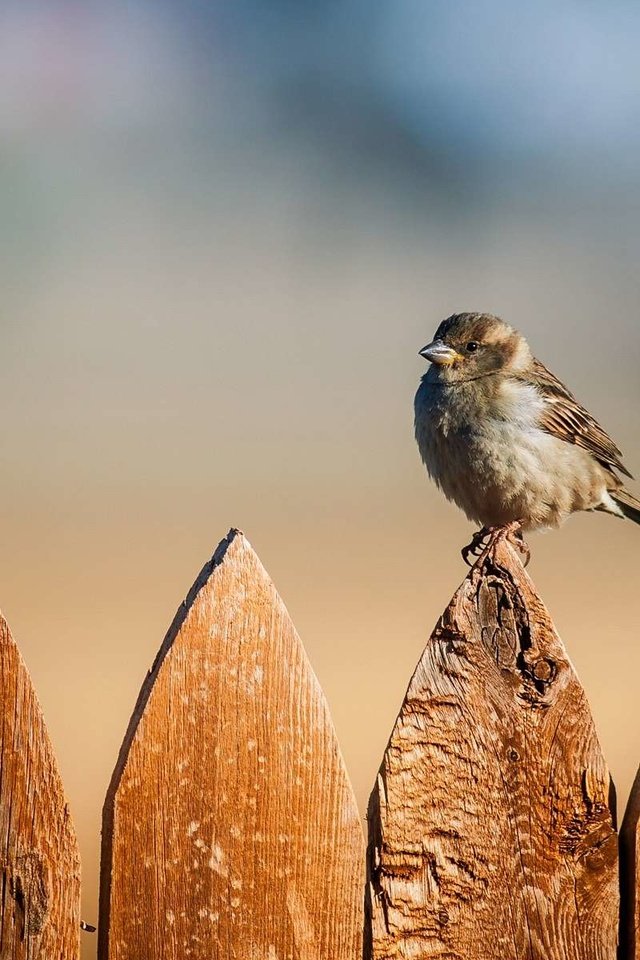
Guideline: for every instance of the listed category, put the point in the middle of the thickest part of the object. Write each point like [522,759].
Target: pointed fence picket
[491,825]
[230,831]
[630,877]
[230,827]
[40,895]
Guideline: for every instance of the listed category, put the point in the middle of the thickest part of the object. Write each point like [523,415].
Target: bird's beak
[440,354]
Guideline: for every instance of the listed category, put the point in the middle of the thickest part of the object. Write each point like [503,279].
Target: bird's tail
[629,505]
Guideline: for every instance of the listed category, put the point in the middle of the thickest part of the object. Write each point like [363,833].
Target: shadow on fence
[230,829]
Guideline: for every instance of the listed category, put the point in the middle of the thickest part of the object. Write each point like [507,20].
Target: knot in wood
[29,889]
[595,861]
[544,670]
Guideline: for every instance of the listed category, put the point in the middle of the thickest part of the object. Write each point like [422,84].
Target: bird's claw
[515,537]
[485,539]
[479,544]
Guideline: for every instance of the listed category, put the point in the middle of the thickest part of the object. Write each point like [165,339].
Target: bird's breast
[488,453]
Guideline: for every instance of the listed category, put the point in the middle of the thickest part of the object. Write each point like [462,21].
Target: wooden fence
[230,830]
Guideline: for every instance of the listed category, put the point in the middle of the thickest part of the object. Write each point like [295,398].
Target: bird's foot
[514,535]
[487,538]
[479,545]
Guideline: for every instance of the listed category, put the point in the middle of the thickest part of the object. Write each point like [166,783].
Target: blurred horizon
[227,230]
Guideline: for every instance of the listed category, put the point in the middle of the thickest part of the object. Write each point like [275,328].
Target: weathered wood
[630,876]
[40,896]
[230,829]
[492,833]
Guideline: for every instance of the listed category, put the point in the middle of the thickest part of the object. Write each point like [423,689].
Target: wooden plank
[230,829]
[630,877]
[40,897]
[492,832]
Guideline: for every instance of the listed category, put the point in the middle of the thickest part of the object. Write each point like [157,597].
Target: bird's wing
[565,418]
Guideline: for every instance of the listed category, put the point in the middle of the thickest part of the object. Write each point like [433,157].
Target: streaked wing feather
[565,418]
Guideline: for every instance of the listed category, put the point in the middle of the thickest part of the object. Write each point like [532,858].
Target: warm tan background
[225,234]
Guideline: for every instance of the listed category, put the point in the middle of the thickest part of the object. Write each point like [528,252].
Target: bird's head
[468,346]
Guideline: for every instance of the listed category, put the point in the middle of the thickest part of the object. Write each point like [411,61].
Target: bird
[506,440]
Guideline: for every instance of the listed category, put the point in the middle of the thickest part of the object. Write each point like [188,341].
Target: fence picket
[491,829]
[230,827]
[630,877]
[40,897]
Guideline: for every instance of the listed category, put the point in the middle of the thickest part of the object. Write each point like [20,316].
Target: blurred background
[226,230]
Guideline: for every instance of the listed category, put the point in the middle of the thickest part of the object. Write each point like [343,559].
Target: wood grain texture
[630,876]
[230,829]
[40,898]
[492,835]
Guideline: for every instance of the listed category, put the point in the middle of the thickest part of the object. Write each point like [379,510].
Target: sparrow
[505,440]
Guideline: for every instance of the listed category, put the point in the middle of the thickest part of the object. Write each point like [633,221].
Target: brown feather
[565,418]
[629,504]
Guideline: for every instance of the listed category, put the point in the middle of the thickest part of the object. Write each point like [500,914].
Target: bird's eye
[472,346]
